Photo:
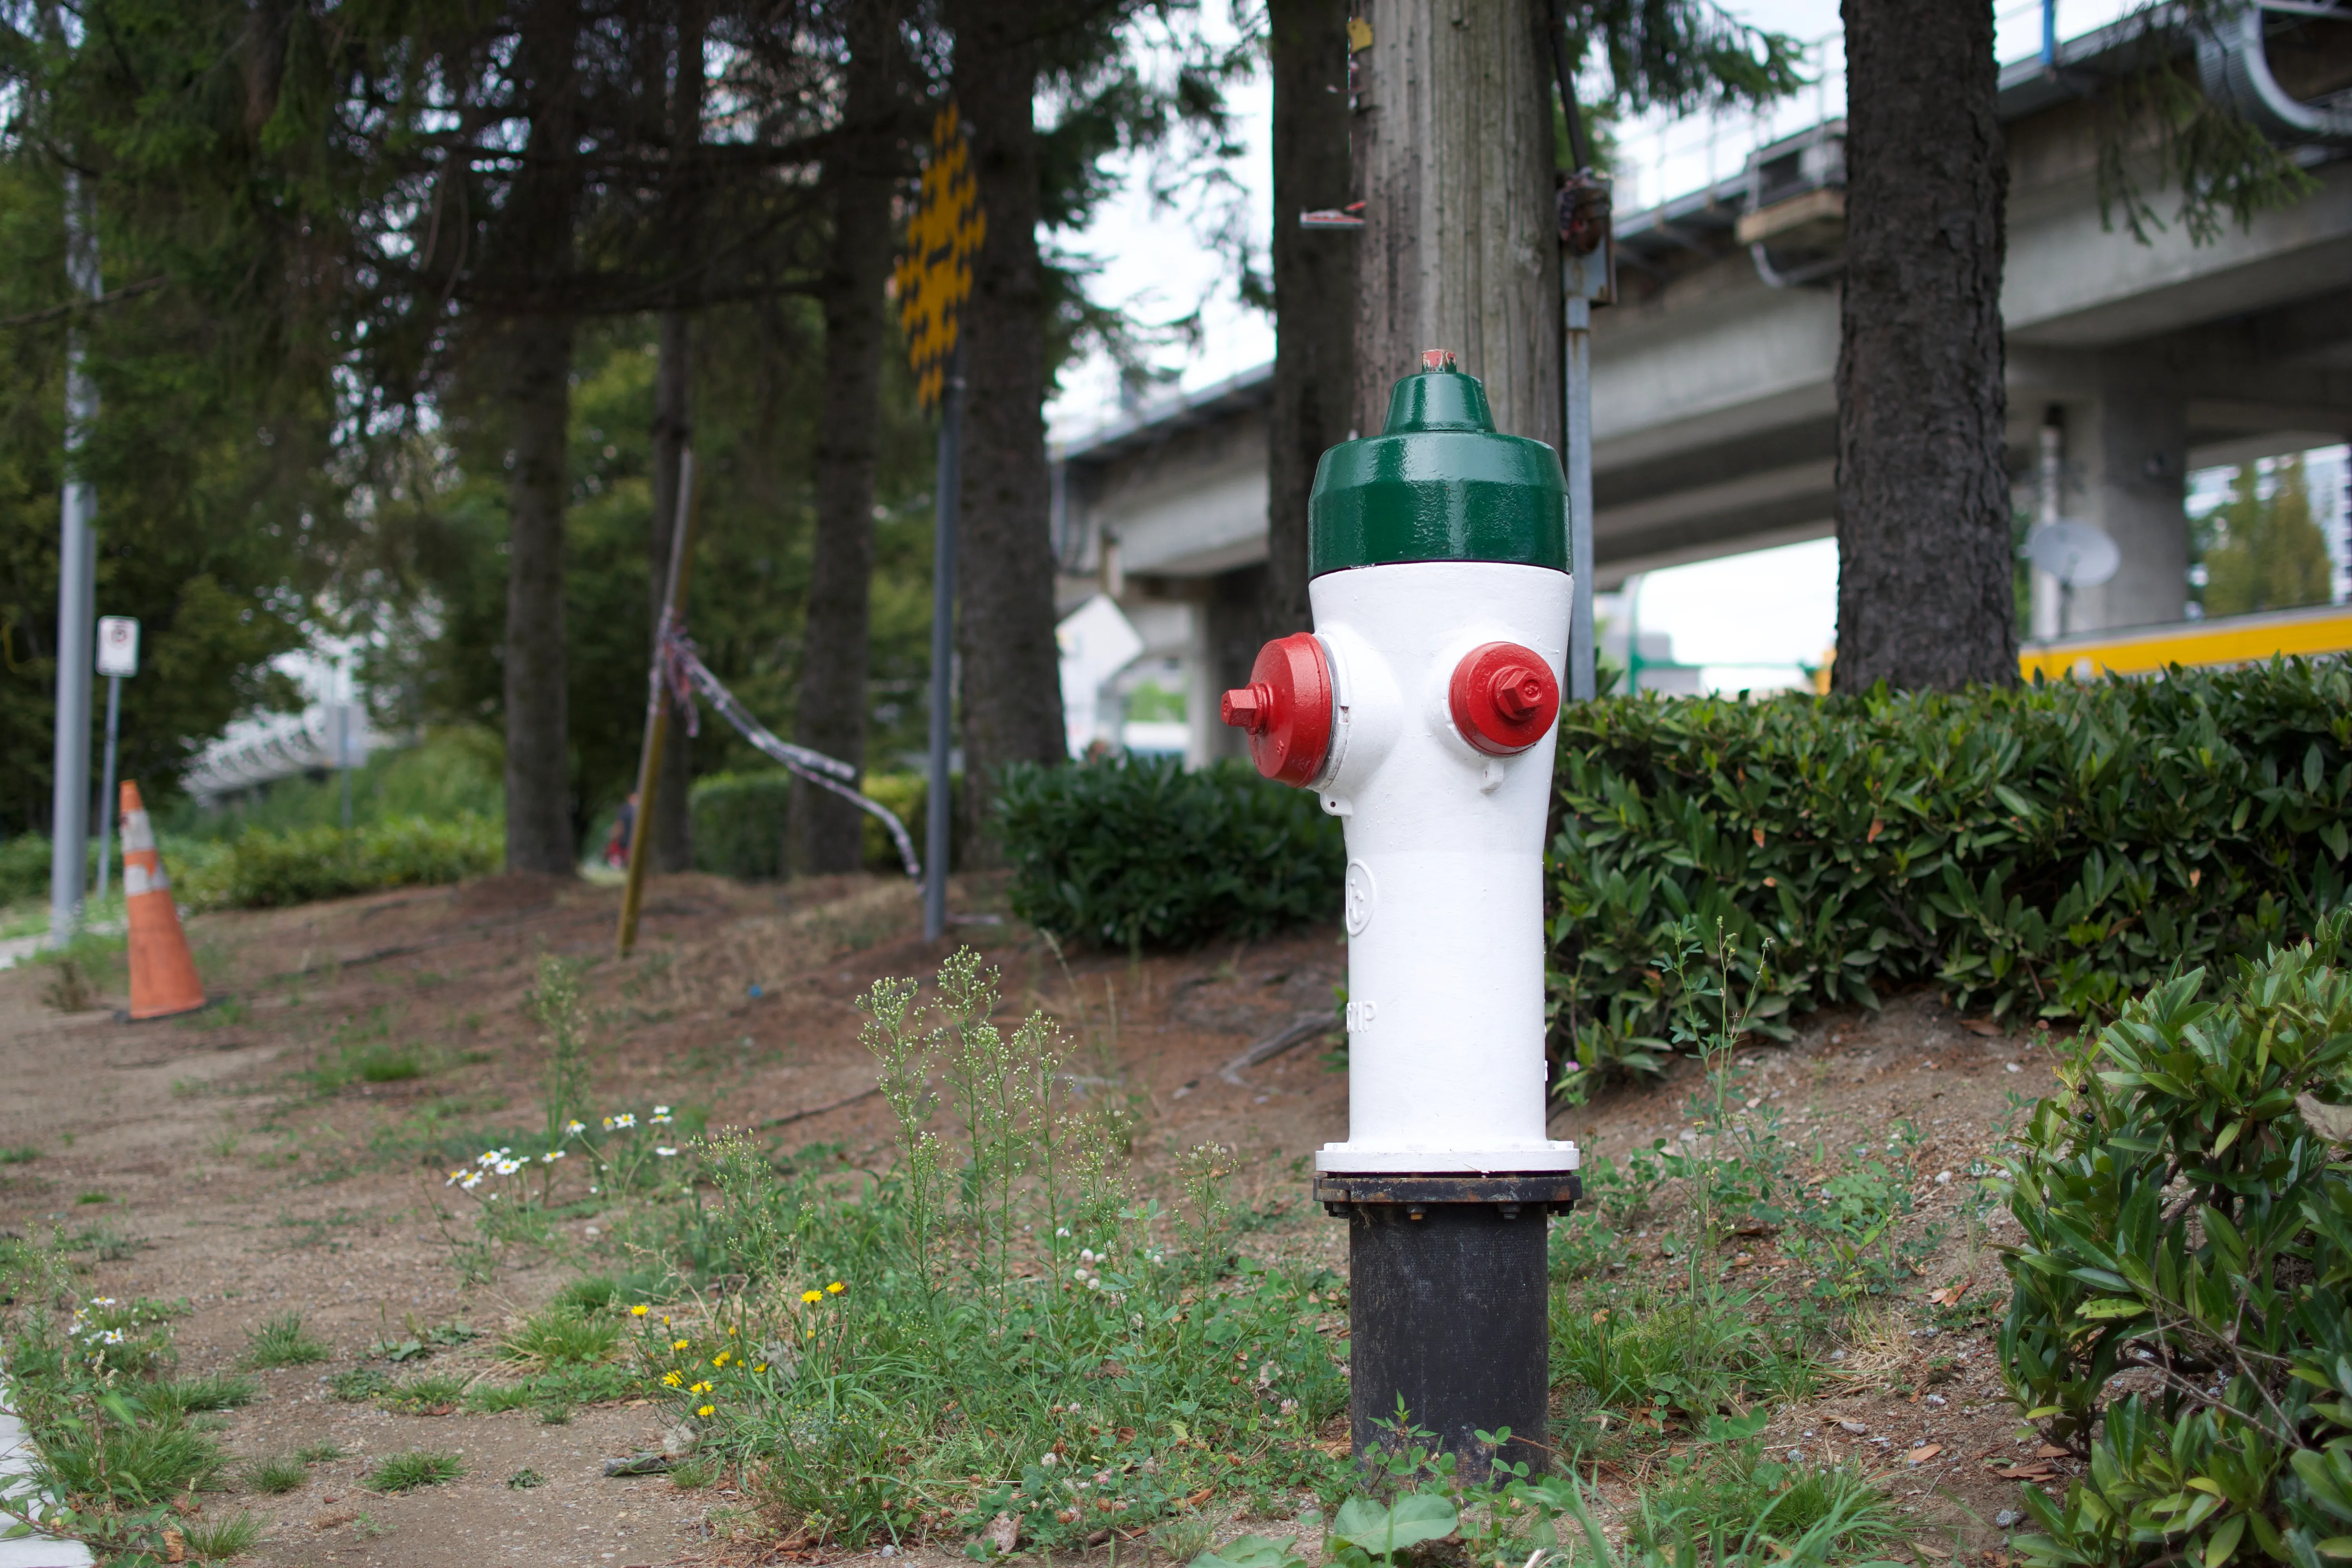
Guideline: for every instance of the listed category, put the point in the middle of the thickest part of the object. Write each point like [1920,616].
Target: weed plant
[559,1337]
[996,1326]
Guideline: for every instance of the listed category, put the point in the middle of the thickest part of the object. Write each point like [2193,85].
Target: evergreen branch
[114,297]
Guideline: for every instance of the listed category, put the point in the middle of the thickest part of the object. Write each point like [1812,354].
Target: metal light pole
[949,485]
[77,592]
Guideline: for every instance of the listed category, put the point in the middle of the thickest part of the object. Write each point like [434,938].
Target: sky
[1751,619]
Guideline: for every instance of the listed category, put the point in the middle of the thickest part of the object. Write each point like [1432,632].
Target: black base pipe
[1448,1311]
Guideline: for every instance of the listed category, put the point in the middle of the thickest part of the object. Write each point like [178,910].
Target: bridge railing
[1660,156]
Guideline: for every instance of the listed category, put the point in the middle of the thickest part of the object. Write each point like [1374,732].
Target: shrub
[260,869]
[741,821]
[2045,851]
[2187,1224]
[1136,852]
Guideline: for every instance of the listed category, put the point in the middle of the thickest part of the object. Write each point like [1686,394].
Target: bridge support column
[2126,462]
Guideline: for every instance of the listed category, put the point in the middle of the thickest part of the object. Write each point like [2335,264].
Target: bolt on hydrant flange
[1421,710]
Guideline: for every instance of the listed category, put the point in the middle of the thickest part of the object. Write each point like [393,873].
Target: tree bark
[538,366]
[672,824]
[1925,598]
[832,712]
[1011,679]
[1460,246]
[1313,282]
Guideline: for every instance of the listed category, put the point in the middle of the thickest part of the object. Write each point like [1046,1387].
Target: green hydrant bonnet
[1438,484]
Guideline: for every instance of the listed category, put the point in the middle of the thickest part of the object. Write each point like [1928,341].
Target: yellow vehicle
[2225,639]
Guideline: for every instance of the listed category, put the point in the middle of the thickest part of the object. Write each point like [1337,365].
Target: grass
[522,1481]
[276,1474]
[559,1337]
[429,1394]
[416,1468]
[492,1398]
[218,1540]
[134,1465]
[282,1341]
[360,1382]
[24,1154]
[95,1198]
[187,1396]
[318,1453]
[599,1291]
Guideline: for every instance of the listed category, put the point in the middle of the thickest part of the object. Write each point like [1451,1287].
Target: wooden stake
[657,702]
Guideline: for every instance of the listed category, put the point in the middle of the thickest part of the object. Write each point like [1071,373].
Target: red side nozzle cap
[1285,709]
[1504,697]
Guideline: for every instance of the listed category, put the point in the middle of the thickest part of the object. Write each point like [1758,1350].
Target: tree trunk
[1460,246]
[1011,677]
[673,815]
[832,716]
[672,843]
[1313,284]
[1924,555]
[538,761]
[538,236]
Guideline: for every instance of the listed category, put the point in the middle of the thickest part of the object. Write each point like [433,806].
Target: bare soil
[191,1158]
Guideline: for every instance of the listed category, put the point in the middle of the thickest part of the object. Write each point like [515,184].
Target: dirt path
[237,1159]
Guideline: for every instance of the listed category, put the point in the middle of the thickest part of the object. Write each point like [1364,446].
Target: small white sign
[118,645]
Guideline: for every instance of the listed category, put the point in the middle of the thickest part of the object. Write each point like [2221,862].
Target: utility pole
[76,591]
[1459,247]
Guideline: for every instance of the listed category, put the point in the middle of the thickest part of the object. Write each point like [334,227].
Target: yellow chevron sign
[934,277]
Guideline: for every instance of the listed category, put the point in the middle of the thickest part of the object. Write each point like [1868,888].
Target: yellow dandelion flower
[699,1388]
[718,1360]
[761,1367]
[639,1311]
[678,1344]
[836,1288]
[812,1296]
[671,1380]
[708,1410]
[731,1333]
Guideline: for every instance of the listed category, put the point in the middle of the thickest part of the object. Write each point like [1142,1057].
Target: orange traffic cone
[163,976]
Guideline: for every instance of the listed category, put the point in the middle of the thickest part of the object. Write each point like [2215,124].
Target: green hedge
[2047,851]
[743,822]
[739,823]
[2187,1211]
[1137,852]
[259,869]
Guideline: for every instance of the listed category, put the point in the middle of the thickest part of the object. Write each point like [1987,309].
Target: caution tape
[685,674]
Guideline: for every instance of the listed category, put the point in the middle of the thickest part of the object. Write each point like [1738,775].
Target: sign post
[118,658]
[934,280]
[1587,277]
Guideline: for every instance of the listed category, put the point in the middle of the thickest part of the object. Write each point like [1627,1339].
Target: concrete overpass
[1714,406]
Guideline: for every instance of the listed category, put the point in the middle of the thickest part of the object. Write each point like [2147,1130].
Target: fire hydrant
[1421,710]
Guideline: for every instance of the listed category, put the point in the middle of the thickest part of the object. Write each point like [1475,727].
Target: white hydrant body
[1444,882]
[1421,710]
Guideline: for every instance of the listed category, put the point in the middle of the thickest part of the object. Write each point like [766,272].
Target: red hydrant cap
[1285,709]
[1504,697]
